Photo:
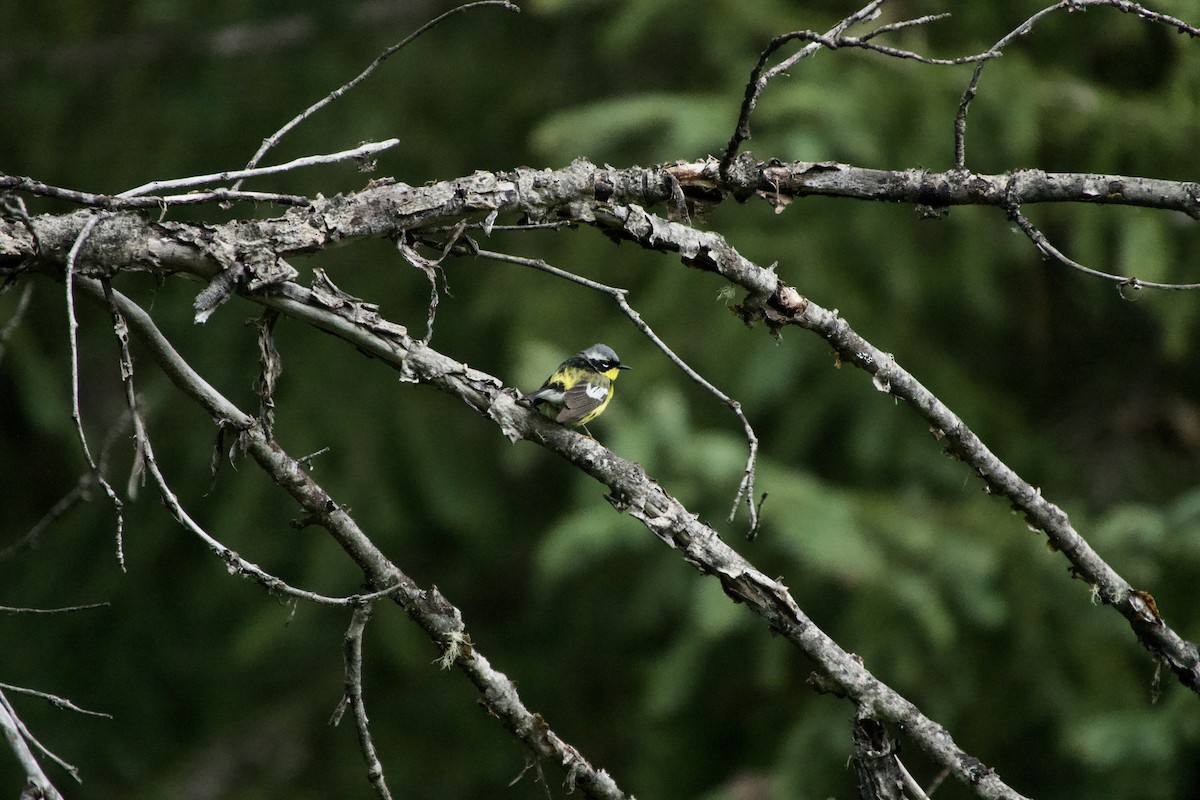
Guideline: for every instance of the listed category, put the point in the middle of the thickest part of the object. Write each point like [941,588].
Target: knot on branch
[740,176]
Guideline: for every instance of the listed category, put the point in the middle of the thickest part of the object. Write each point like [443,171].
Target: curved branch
[1050,251]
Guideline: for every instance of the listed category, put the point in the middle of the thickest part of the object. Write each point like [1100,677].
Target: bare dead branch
[380,209]
[1040,514]
[388,209]
[111,202]
[360,152]
[62,610]
[274,138]
[234,562]
[631,489]
[360,324]
[759,79]
[908,23]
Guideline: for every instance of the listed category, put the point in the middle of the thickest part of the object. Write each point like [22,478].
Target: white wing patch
[597,393]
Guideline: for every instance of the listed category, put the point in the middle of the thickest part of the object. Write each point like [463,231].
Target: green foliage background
[217,690]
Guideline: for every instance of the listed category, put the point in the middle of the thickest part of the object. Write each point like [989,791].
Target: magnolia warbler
[581,388]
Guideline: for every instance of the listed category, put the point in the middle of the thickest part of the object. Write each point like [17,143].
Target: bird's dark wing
[583,398]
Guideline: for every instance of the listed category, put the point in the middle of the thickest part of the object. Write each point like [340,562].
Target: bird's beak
[624,366]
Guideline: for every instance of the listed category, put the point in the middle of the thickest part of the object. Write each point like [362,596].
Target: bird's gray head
[601,358]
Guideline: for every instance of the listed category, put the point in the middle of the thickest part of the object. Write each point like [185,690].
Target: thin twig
[363,151]
[53,699]
[63,610]
[758,80]
[908,23]
[1048,250]
[745,490]
[353,697]
[73,330]
[111,202]
[274,138]
[960,118]
[910,783]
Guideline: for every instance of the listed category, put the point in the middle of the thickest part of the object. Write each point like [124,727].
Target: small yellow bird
[581,388]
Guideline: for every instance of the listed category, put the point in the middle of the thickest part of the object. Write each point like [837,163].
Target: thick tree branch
[577,192]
